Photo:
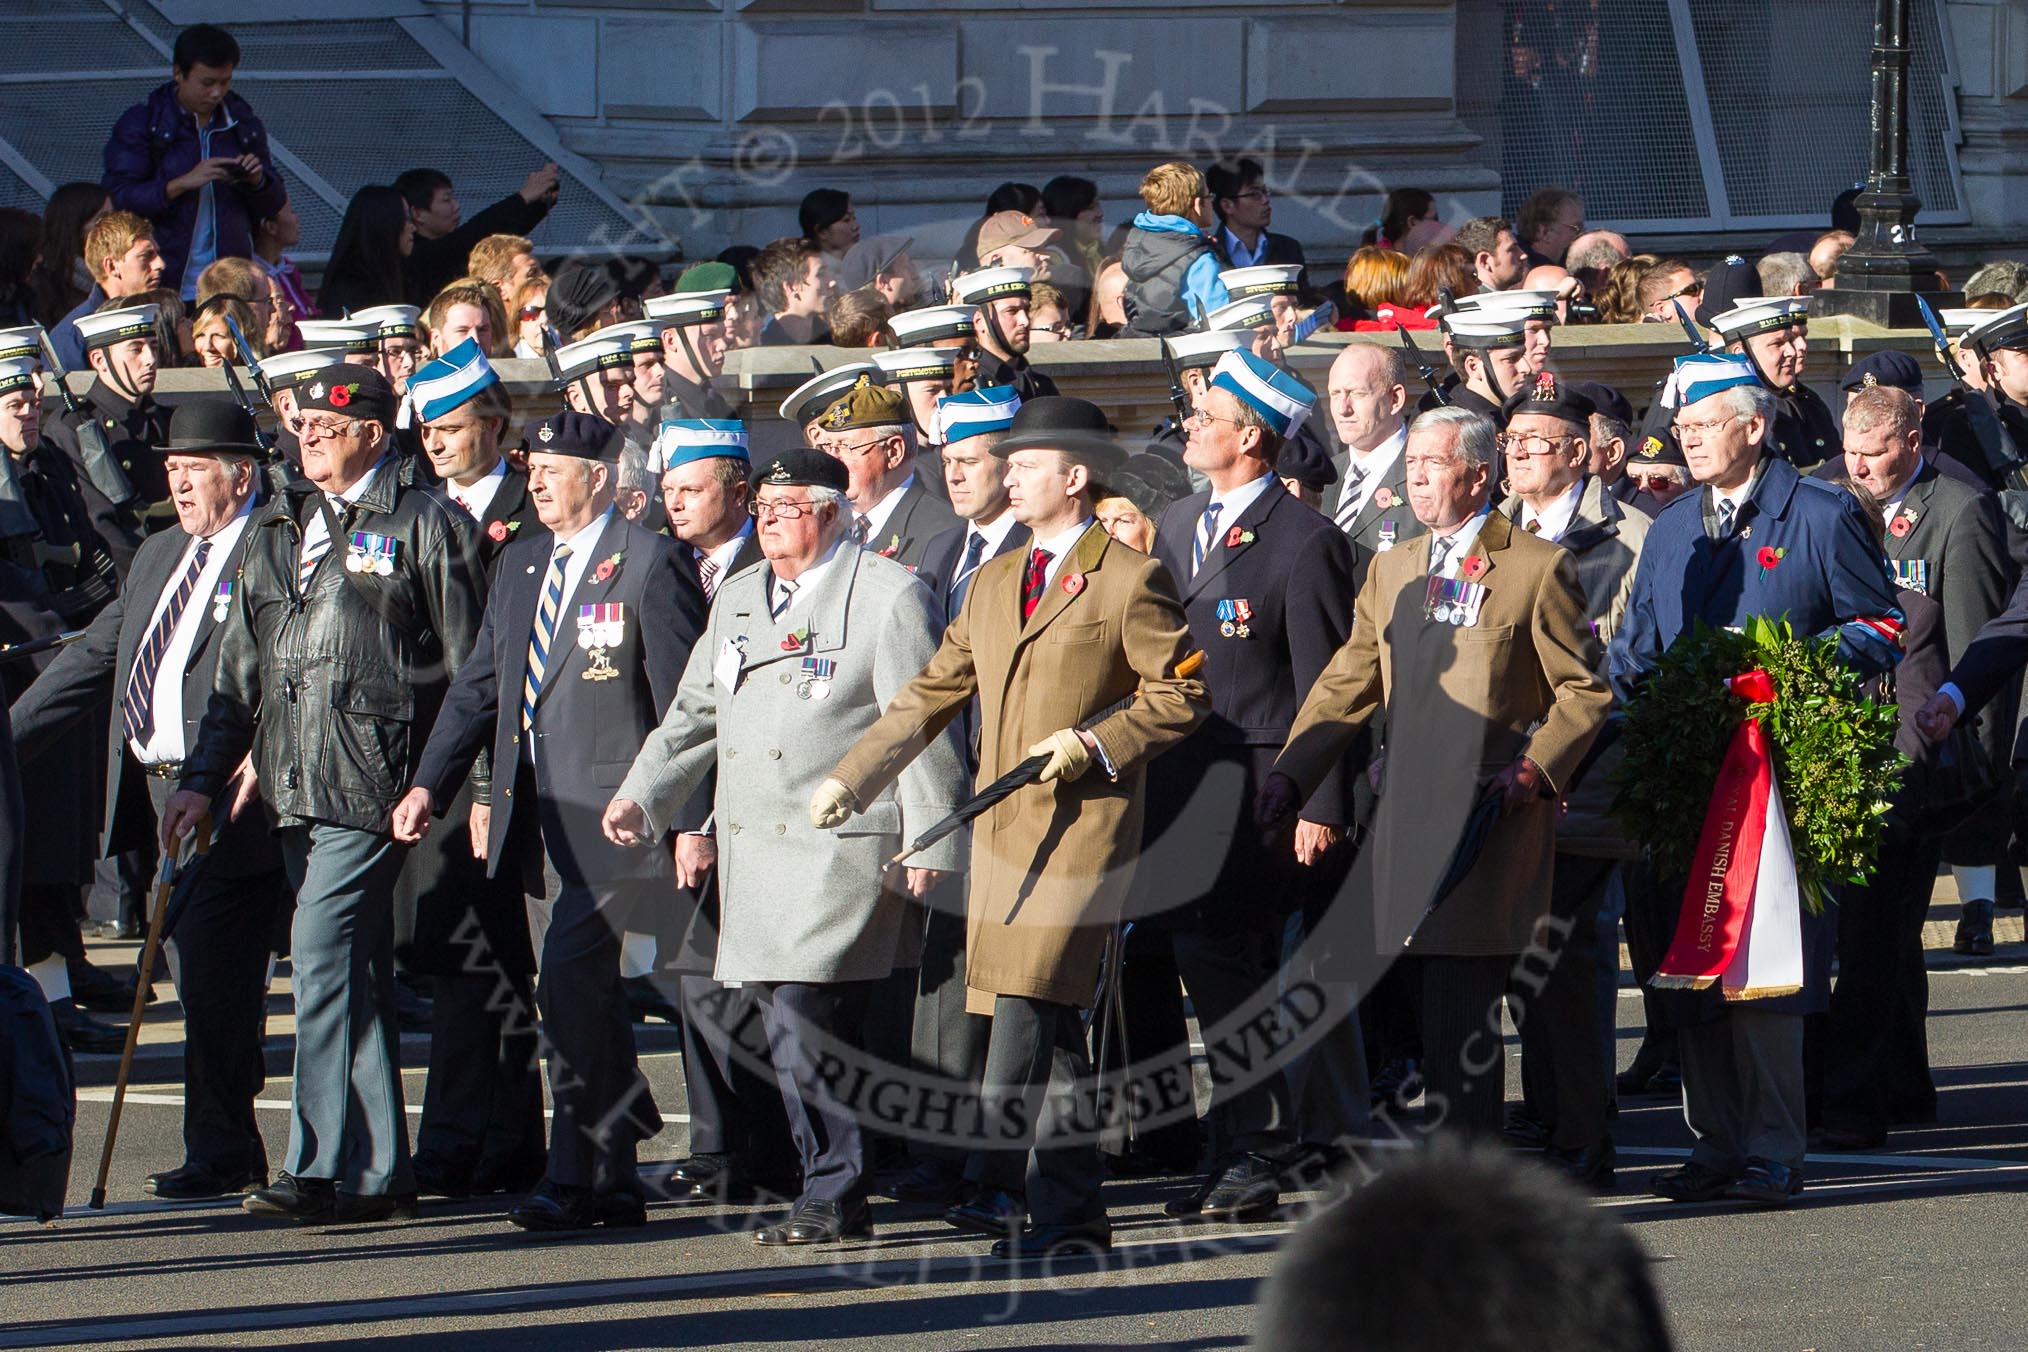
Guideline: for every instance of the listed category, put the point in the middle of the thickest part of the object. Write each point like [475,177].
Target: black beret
[1659,447]
[1885,368]
[801,465]
[1305,460]
[1729,282]
[577,293]
[351,390]
[575,434]
[1547,395]
[1605,399]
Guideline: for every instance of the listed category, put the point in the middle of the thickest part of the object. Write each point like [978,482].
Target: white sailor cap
[1483,330]
[642,335]
[991,284]
[1194,351]
[2002,329]
[1953,321]
[685,309]
[342,335]
[611,347]
[391,321]
[1528,304]
[116,326]
[17,374]
[286,369]
[1250,313]
[451,381]
[1760,314]
[1262,279]
[809,399]
[20,344]
[919,328]
[900,365]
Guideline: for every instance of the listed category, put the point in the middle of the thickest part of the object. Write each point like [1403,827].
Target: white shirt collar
[586,538]
[477,499]
[724,554]
[1232,505]
[1461,541]
[810,578]
[358,489]
[1555,519]
[1236,250]
[876,515]
[995,531]
[1060,547]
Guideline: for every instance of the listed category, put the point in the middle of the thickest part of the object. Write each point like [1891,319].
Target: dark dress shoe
[490,1178]
[698,1170]
[436,1176]
[197,1182]
[555,1206]
[932,1182]
[93,987]
[1524,1130]
[1588,1168]
[1058,1241]
[1766,1183]
[83,1033]
[1975,930]
[1691,1182]
[356,1208]
[1138,1163]
[620,1210]
[646,1001]
[294,1199]
[1246,1188]
[817,1222]
[1311,1167]
[1397,1082]
[1664,1078]
[714,1179]
[990,1212]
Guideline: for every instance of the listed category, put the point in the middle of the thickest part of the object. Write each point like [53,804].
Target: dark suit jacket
[1295,577]
[917,517]
[1383,522]
[687,399]
[945,551]
[508,517]
[586,732]
[93,672]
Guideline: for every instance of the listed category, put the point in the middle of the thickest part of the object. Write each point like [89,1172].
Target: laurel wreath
[1834,753]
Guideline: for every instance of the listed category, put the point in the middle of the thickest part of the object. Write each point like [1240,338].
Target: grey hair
[1605,427]
[633,475]
[1747,401]
[1473,433]
[1782,273]
[1871,406]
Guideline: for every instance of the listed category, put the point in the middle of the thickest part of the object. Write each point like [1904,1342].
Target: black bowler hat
[579,435]
[1896,369]
[1058,422]
[799,465]
[210,427]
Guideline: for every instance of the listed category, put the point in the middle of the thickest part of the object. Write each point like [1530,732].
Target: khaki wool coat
[1051,863]
[1462,702]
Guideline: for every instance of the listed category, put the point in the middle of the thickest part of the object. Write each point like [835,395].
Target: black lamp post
[1879,276]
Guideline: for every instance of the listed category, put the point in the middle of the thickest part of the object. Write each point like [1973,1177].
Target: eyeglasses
[781,511]
[1061,328]
[1526,446]
[1700,430]
[1254,195]
[1198,417]
[318,429]
[529,312]
[838,448]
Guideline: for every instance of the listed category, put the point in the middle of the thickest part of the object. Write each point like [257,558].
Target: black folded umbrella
[12,651]
[1024,773]
[1471,844]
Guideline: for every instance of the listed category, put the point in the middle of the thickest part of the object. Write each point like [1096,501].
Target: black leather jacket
[334,697]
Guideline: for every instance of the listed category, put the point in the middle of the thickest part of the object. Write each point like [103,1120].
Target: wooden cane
[158,909]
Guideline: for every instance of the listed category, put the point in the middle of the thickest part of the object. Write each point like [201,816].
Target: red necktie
[1031,583]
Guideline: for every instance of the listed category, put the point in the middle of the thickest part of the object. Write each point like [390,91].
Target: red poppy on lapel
[607,567]
[1899,527]
[1073,583]
[1471,566]
[497,532]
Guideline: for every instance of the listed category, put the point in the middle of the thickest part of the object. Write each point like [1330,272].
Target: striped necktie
[1032,582]
[313,554]
[1348,498]
[707,575]
[778,602]
[544,633]
[1439,553]
[137,710]
[1207,532]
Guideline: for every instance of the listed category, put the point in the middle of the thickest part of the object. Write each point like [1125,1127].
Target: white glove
[1068,756]
[831,805]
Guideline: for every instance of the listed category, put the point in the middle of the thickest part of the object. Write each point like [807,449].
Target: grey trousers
[347,1123]
[1036,1054]
[1743,1089]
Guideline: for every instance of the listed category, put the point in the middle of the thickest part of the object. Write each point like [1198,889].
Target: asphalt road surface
[1912,1247]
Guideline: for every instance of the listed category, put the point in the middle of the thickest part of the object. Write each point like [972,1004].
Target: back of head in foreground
[1461,1249]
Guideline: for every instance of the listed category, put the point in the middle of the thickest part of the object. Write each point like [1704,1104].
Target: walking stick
[158,907]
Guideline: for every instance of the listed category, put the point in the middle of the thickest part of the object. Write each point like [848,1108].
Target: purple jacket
[157,141]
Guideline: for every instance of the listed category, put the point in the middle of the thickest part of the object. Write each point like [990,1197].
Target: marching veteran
[799,658]
[1072,648]
[1473,639]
